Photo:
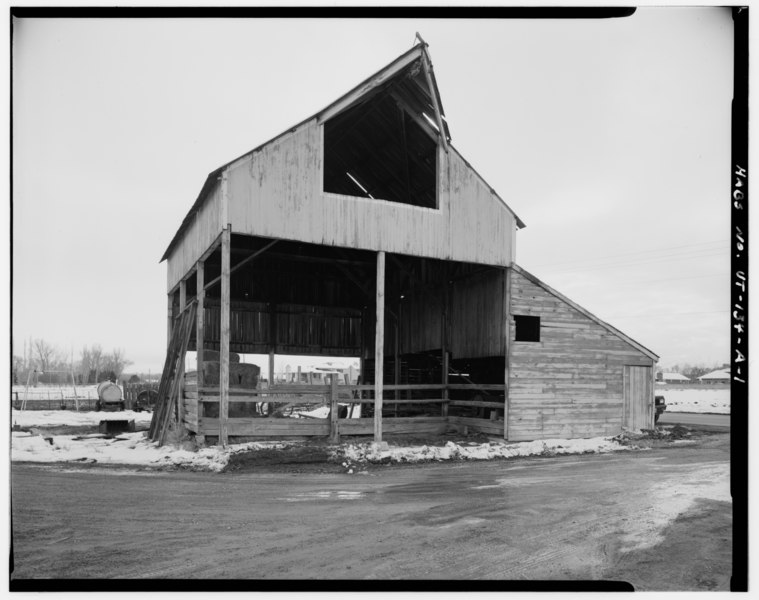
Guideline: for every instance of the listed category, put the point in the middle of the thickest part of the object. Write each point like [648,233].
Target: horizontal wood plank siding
[393,425]
[267,427]
[570,383]
[486,426]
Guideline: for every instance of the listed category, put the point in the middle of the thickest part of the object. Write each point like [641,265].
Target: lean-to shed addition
[362,232]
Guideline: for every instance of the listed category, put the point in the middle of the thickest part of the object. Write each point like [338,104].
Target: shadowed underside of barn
[362,232]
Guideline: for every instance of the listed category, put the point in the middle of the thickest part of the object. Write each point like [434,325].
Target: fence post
[334,434]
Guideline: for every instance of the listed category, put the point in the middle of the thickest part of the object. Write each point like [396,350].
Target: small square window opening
[527,329]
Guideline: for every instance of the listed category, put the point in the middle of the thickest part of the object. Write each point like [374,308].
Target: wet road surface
[689,419]
[572,517]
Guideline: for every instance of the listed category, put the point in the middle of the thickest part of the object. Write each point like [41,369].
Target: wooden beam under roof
[370,84]
[438,115]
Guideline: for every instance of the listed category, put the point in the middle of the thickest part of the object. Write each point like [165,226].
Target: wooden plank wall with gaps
[474,323]
[300,329]
[571,383]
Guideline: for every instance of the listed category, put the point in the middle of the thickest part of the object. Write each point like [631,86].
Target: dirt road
[700,419]
[659,519]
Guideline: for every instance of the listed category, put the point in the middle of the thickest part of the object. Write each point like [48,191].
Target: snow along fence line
[51,397]
[697,400]
[135,449]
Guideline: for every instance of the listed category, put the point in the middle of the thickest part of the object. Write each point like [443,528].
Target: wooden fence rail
[332,395]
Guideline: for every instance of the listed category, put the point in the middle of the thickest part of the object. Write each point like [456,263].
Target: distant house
[674,378]
[321,373]
[719,376]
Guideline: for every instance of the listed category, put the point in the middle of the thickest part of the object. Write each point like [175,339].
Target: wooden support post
[200,324]
[444,345]
[444,412]
[397,351]
[271,368]
[224,337]
[298,380]
[182,294]
[362,358]
[170,323]
[180,399]
[379,346]
[334,433]
[506,332]
[180,392]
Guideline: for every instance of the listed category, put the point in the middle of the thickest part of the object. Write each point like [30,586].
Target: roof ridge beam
[358,92]
[427,66]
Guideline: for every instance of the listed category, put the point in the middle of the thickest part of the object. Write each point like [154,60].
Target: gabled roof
[580,309]
[675,376]
[719,374]
[414,88]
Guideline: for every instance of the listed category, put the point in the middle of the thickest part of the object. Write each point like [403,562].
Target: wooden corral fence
[52,402]
[266,410]
[132,390]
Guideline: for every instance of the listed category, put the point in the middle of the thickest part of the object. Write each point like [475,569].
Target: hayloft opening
[379,150]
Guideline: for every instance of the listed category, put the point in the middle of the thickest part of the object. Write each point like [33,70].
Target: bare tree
[115,362]
[18,368]
[84,365]
[96,357]
[48,356]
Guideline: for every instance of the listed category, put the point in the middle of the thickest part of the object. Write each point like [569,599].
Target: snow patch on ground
[124,449]
[697,400]
[370,452]
[135,449]
[645,528]
[318,413]
[56,418]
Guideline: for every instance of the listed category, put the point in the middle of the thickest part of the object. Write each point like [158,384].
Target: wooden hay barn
[362,232]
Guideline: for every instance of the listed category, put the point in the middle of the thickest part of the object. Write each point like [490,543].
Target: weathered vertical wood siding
[421,323]
[277,192]
[476,329]
[475,319]
[571,383]
[299,329]
[203,230]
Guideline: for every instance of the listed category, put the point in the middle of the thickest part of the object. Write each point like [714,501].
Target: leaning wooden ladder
[173,371]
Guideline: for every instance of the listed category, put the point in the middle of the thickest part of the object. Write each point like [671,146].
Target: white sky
[609,138]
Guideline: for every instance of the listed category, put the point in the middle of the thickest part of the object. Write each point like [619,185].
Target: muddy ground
[568,518]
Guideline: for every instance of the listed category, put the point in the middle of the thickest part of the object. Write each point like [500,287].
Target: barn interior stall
[362,232]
